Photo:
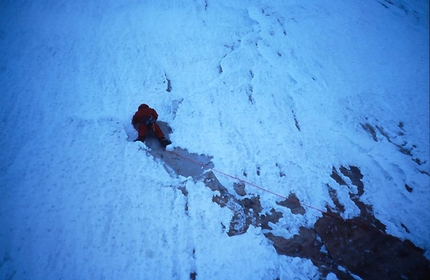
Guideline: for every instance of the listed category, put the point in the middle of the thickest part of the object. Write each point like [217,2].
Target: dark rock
[239,188]
[293,203]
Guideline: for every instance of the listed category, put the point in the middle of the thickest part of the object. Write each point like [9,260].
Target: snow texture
[264,87]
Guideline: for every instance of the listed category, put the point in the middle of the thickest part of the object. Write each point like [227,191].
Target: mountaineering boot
[164,142]
[141,139]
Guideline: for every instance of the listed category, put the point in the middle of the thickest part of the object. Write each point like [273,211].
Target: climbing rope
[296,201]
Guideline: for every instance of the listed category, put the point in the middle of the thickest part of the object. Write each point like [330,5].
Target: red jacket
[144,111]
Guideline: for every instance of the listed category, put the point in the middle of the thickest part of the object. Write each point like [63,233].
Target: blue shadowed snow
[291,87]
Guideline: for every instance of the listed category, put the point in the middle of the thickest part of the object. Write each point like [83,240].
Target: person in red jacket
[145,118]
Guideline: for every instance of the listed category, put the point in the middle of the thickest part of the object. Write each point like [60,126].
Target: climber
[145,118]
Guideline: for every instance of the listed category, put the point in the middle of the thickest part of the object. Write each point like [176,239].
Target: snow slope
[266,87]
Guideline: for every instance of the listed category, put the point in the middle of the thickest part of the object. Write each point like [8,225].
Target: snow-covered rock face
[282,94]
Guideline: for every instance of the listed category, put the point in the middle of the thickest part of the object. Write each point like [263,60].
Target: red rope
[245,182]
[331,214]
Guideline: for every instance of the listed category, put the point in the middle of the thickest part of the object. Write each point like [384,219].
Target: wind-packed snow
[265,87]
